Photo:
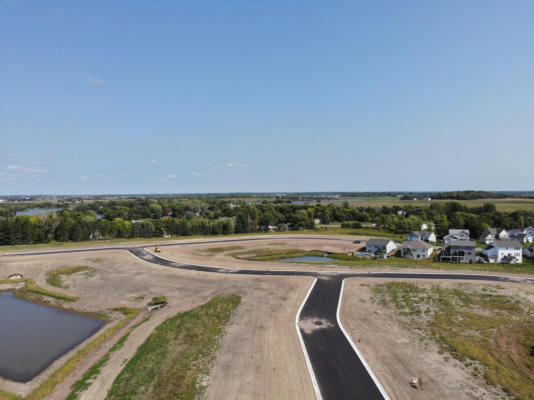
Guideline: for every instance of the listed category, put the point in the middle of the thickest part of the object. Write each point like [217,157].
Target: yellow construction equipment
[157,249]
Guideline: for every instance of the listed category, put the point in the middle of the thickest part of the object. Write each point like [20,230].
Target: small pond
[307,259]
[32,336]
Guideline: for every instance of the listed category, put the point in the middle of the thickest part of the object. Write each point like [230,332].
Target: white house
[491,234]
[504,251]
[528,251]
[421,235]
[383,246]
[427,225]
[456,234]
[416,249]
[530,230]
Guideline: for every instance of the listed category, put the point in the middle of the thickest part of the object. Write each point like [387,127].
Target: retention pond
[33,336]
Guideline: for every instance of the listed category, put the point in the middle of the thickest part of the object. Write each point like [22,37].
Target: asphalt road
[340,373]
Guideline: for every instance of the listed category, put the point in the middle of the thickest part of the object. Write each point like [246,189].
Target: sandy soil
[396,354]
[260,342]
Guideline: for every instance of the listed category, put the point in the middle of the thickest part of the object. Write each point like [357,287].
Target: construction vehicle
[157,249]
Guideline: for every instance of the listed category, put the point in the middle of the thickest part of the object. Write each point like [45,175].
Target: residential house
[421,235]
[491,234]
[524,238]
[459,251]
[504,251]
[512,233]
[380,246]
[530,230]
[425,226]
[416,249]
[456,234]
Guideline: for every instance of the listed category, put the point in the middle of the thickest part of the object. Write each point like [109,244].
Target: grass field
[490,332]
[175,359]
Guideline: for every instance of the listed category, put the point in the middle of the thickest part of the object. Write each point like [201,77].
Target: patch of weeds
[31,288]
[53,277]
[157,300]
[218,250]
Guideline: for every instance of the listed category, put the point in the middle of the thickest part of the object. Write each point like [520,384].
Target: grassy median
[173,360]
[489,331]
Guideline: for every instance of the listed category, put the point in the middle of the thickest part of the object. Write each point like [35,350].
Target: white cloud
[14,167]
[8,179]
[216,167]
[171,176]
[84,177]
[237,165]
[153,161]
[102,177]
[96,81]
[446,133]
[11,154]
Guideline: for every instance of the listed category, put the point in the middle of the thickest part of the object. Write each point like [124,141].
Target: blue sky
[221,96]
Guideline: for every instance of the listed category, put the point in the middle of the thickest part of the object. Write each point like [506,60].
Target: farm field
[508,205]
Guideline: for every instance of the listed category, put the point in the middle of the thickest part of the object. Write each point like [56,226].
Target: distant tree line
[162,217]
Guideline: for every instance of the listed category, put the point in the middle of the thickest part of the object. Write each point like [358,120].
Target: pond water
[32,336]
[33,211]
[308,258]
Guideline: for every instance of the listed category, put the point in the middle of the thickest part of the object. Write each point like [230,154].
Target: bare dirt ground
[260,343]
[197,254]
[396,354]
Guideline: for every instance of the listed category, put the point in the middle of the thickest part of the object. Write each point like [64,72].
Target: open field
[438,331]
[264,324]
[508,205]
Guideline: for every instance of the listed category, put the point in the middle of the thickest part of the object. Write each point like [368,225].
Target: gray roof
[378,242]
[462,243]
[506,243]
[458,231]
[416,244]
[514,232]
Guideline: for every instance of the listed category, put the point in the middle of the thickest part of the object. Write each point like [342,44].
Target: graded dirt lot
[200,253]
[260,342]
[397,352]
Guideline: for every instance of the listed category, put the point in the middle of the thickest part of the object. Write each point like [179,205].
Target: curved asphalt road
[340,373]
